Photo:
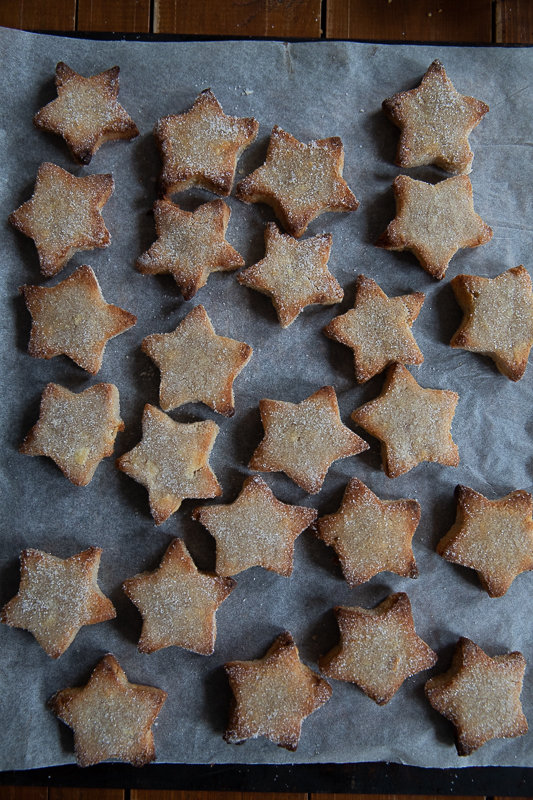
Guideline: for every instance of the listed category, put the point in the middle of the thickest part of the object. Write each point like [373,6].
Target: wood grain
[395,797]
[121,16]
[23,793]
[154,794]
[36,15]
[514,21]
[68,793]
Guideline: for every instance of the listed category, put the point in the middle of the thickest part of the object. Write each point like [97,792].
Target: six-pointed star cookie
[75,430]
[435,121]
[480,696]
[378,329]
[434,221]
[178,603]
[304,439]
[202,146]
[86,112]
[111,717]
[56,597]
[494,537]
[273,695]
[293,274]
[300,181]
[378,648]
[412,423]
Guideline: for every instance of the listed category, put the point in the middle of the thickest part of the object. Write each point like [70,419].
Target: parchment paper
[312,90]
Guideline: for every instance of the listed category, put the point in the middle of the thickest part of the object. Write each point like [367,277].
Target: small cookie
[434,221]
[480,696]
[378,648]
[75,430]
[300,181]
[273,695]
[56,597]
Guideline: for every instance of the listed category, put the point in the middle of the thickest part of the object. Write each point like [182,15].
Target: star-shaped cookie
[412,423]
[86,112]
[197,365]
[202,146]
[378,329]
[304,439]
[293,274]
[190,245]
[273,695]
[378,648]
[498,318]
[111,717]
[56,597]
[76,430]
[435,122]
[178,603]
[480,696]
[434,221]
[172,461]
[300,181]
[256,529]
[63,215]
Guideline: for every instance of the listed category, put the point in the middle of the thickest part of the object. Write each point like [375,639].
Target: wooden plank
[514,21]
[155,794]
[68,793]
[34,15]
[395,797]
[23,793]
[120,16]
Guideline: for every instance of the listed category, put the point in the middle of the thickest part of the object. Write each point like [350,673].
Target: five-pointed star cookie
[435,121]
[190,245]
[378,329]
[76,430]
[300,181]
[63,216]
[202,146]
[378,648]
[498,318]
[197,365]
[304,439]
[434,221]
[480,696]
[293,274]
[86,112]
[178,603]
[171,461]
[273,695]
[111,717]
[412,423]
[371,535]
[56,597]
[256,529]
[494,537]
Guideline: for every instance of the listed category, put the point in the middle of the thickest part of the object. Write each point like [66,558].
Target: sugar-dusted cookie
[172,461]
[300,181]
[378,648]
[434,221]
[378,329]
[413,424]
[435,122]
[202,146]
[480,696]
[273,695]
[76,430]
[304,439]
[256,529]
[494,537]
[56,597]
[86,112]
[498,318]
[111,717]
[197,365]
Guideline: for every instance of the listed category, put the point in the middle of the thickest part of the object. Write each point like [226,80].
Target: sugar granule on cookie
[256,529]
[480,696]
[111,718]
[378,648]
[86,112]
[300,181]
[63,215]
[76,430]
[273,695]
[56,597]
